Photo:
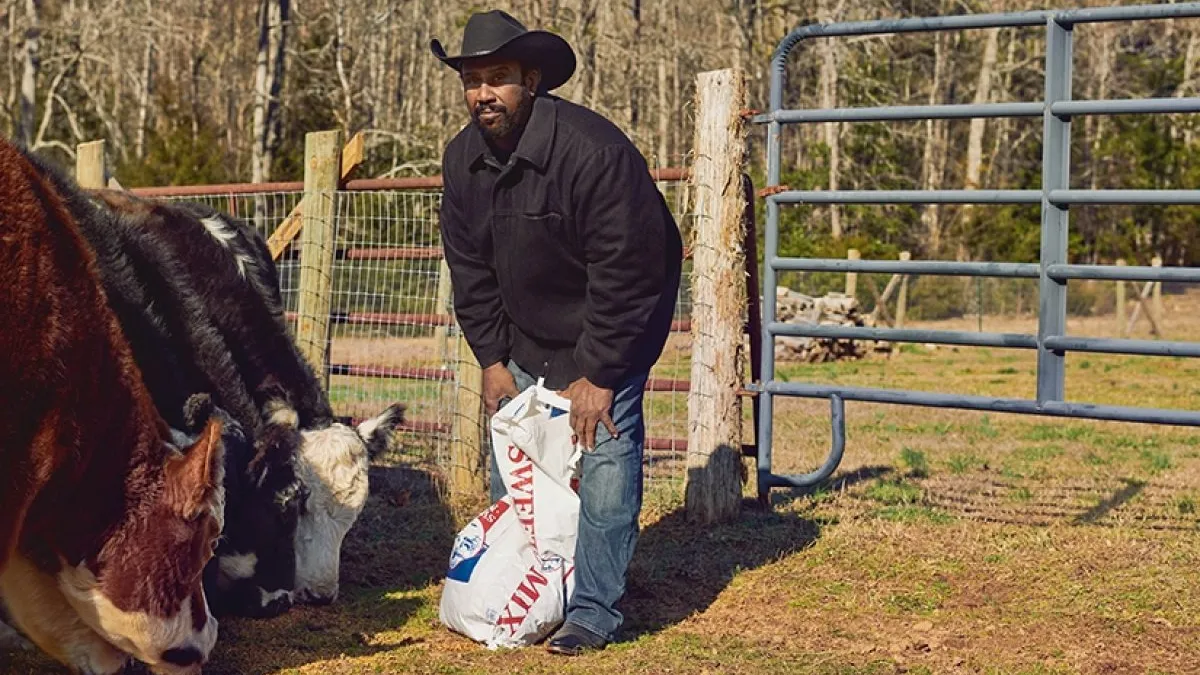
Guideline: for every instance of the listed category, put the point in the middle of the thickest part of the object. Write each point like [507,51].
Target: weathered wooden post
[468,442]
[902,299]
[1158,305]
[445,299]
[322,169]
[852,277]
[713,483]
[1121,302]
[89,165]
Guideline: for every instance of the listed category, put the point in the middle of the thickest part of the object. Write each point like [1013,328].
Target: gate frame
[1052,270]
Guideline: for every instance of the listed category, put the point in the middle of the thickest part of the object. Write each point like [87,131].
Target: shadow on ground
[399,544]
[679,569]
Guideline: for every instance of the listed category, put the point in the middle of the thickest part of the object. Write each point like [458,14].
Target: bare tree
[29,73]
[268,81]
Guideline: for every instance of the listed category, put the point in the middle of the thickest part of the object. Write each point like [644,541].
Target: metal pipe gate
[1052,271]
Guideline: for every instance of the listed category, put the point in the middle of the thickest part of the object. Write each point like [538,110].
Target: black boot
[572,640]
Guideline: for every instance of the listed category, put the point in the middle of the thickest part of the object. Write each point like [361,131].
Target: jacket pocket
[537,264]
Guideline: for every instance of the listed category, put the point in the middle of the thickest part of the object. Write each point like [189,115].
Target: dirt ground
[947,542]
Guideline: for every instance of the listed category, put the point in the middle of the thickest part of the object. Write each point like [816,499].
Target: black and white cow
[181,354]
[230,270]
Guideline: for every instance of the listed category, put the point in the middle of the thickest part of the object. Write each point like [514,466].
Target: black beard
[507,123]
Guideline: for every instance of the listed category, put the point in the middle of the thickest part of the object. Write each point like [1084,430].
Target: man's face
[498,95]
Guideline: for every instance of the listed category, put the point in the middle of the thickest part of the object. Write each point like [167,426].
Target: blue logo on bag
[556,412]
[465,557]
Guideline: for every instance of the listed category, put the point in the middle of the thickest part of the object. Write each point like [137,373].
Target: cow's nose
[310,597]
[183,656]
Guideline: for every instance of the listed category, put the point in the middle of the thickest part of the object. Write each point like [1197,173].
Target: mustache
[490,107]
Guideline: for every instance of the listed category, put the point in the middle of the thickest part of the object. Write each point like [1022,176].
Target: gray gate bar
[837,415]
[907,197]
[1066,197]
[986,403]
[1114,346]
[982,110]
[945,337]
[1126,106]
[916,267]
[1055,196]
[1124,273]
[905,112]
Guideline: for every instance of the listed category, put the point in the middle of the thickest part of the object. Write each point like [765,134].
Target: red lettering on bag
[528,588]
[488,518]
[522,497]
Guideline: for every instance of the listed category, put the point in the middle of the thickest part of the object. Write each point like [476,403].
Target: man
[565,263]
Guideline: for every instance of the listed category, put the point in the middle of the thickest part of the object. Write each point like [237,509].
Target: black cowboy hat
[498,33]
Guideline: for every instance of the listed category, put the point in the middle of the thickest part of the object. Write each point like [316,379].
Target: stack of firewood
[833,309]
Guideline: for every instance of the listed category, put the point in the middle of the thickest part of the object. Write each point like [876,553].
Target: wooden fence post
[902,299]
[89,165]
[322,169]
[445,298]
[467,443]
[852,277]
[1121,302]
[1158,306]
[713,483]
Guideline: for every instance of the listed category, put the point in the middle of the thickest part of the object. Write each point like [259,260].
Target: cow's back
[57,353]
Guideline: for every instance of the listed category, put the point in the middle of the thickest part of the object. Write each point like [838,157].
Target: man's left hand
[590,406]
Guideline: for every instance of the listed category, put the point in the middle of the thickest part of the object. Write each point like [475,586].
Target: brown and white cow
[105,526]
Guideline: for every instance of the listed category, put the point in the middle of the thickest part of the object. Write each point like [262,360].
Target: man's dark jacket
[564,258]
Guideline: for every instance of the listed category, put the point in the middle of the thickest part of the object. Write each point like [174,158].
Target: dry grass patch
[948,542]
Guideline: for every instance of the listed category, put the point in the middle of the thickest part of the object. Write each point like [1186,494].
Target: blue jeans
[610,500]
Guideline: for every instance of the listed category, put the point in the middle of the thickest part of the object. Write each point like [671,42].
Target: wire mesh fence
[392,332]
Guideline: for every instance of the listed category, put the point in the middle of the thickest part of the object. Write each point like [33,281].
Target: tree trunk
[31,66]
[983,89]
[10,96]
[1189,71]
[139,149]
[259,161]
[664,95]
[832,130]
[635,67]
[268,84]
[675,84]
[600,57]
[339,59]
[930,215]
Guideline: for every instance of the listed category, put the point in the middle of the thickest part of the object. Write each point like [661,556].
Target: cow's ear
[379,432]
[197,410]
[194,476]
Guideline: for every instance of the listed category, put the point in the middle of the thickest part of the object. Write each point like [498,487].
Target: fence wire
[392,332]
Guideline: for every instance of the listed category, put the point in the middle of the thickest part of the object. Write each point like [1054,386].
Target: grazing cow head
[142,591]
[254,570]
[334,463]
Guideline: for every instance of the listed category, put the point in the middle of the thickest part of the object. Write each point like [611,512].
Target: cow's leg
[41,611]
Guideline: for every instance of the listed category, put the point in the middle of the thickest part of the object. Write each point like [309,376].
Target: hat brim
[549,53]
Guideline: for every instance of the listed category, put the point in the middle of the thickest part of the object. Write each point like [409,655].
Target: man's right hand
[498,382]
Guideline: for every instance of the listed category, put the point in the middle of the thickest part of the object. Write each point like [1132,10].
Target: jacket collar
[537,139]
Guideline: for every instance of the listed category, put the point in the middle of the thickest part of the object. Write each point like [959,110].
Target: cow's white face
[334,462]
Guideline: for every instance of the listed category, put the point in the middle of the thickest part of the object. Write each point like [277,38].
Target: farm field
[948,542]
